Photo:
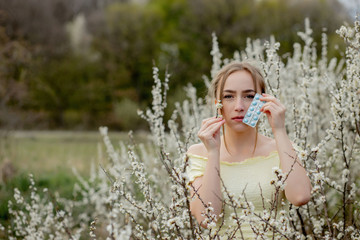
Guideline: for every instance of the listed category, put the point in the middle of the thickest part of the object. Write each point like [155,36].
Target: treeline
[78,64]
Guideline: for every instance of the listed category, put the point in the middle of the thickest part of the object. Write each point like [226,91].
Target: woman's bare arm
[207,188]
[298,186]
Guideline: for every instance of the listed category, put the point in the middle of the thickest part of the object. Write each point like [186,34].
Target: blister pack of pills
[252,115]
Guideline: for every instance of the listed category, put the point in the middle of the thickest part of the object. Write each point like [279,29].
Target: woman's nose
[239,105]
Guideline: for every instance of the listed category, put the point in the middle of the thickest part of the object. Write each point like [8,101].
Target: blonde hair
[218,83]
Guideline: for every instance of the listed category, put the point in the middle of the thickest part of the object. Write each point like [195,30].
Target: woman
[243,157]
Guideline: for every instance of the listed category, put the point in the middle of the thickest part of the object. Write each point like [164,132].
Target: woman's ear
[215,101]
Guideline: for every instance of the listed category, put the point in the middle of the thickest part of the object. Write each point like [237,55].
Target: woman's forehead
[238,80]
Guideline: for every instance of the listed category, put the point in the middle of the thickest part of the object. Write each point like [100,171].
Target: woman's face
[239,91]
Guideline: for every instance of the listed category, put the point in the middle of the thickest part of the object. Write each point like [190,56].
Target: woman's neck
[240,142]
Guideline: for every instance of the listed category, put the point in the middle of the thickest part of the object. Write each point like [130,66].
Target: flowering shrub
[143,192]
[39,218]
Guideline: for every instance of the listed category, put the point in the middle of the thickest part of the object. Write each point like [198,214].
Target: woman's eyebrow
[245,91]
[229,91]
[248,91]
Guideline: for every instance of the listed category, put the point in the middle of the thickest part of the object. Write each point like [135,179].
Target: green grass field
[42,152]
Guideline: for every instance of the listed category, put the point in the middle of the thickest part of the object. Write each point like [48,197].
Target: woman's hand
[209,133]
[275,111]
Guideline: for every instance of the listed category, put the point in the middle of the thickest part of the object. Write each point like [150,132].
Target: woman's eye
[250,96]
[228,96]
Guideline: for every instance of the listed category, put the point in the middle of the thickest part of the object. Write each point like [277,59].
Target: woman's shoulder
[198,149]
[267,144]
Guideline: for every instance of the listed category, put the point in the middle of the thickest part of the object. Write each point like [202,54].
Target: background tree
[92,60]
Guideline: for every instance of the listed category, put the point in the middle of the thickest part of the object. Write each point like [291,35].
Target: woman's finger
[207,122]
[274,111]
[210,130]
[279,108]
[266,105]
[214,125]
[270,108]
[270,98]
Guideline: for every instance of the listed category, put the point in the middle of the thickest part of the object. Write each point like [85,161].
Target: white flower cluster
[39,218]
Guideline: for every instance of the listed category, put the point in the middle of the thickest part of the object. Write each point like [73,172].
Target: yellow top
[242,177]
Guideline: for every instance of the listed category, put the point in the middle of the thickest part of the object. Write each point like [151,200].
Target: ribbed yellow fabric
[251,176]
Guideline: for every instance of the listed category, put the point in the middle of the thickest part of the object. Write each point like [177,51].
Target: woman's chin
[239,127]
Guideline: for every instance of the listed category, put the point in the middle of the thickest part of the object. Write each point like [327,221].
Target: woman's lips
[238,119]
